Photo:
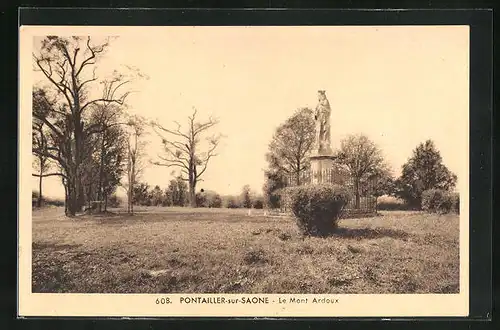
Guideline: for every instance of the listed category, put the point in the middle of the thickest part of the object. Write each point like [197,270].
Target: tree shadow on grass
[123,218]
[369,233]
[54,247]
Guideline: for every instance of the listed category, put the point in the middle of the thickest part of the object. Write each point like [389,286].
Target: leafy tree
[134,157]
[275,180]
[363,159]
[291,145]
[184,150]
[288,153]
[109,149]
[246,198]
[382,184]
[156,196]
[424,170]
[177,191]
[141,194]
[167,198]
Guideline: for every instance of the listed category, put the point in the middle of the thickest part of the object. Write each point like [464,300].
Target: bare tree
[182,150]
[64,62]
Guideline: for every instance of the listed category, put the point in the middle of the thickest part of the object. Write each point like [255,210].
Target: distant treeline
[177,194]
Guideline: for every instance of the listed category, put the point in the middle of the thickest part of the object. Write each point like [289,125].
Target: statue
[322,118]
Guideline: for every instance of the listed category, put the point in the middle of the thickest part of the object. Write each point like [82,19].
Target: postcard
[244,171]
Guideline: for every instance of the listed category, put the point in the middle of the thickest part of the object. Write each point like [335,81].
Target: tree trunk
[80,195]
[101,171]
[40,188]
[356,191]
[65,185]
[297,174]
[131,200]
[72,192]
[128,200]
[72,200]
[192,194]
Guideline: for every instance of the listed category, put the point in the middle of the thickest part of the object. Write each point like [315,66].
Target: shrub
[215,201]
[232,203]
[208,199]
[114,201]
[389,203]
[440,201]
[317,208]
[53,201]
[455,199]
[431,199]
[258,203]
[201,200]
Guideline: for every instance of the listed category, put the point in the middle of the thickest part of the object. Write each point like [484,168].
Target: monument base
[322,167]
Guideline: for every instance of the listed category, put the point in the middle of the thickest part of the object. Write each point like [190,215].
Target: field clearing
[161,250]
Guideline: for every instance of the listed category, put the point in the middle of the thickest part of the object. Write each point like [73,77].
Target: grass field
[226,250]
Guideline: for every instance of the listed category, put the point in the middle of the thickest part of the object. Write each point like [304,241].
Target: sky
[397,85]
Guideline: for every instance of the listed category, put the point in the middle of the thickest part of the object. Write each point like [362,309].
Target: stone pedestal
[321,168]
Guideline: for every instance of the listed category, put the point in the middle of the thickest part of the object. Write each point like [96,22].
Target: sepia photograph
[294,169]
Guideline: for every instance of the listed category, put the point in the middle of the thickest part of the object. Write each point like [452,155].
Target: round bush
[455,198]
[258,204]
[440,201]
[232,203]
[215,201]
[432,199]
[317,208]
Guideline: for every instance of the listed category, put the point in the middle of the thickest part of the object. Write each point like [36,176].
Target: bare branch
[94,78]
[49,174]
[47,154]
[120,102]
[177,132]
[210,154]
[93,52]
[48,75]
[49,124]
[203,127]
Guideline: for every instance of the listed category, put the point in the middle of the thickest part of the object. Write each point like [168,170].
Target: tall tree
[424,170]
[246,198]
[177,191]
[291,144]
[363,159]
[65,63]
[110,149]
[134,158]
[184,150]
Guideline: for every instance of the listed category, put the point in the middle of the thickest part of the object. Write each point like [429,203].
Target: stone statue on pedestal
[322,158]
[322,118]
